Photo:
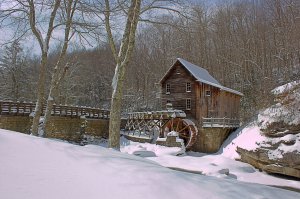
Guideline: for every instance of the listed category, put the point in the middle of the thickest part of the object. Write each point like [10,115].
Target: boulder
[279,151]
[288,165]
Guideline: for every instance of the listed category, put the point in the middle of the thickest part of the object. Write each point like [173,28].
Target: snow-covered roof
[202,75]
[199,73]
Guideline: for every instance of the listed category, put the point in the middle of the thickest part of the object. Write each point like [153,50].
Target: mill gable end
[192,89]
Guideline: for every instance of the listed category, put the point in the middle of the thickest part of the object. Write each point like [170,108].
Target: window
[168,88]
[207,93]
[177,71]
[169,105]
[188,104]
[188,87]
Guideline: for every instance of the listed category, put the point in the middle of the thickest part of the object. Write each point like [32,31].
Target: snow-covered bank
[36,168]
[272,142]
[216,165]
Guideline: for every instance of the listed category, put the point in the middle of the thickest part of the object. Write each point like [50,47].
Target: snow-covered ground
[216,165]
[35,168]
[212,164]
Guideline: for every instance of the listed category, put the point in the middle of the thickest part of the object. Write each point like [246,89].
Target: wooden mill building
[213,107]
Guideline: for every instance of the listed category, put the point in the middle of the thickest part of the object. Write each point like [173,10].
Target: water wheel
[185,128]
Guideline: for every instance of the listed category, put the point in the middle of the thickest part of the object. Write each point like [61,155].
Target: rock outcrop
[279,150]
[289,164]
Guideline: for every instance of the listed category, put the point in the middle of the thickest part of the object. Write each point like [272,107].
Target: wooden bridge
[27,108]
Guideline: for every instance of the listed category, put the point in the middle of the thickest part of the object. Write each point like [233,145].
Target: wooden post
[9,107]
[60,113]
[17,106]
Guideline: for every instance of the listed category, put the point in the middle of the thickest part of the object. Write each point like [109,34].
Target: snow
[172,133]
[285,87]
[157,150]
[251,138]
[211,165]
[246,138]
[203,75]
[32,167]
[286,110]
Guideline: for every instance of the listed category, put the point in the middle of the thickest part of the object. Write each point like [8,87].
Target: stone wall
[15,123]
[65,128]
[97,127]
[209,140]
[72,129]
[138,139]
[169,141]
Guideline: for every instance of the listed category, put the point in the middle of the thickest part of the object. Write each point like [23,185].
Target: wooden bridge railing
[220,122]
[145,124]
[27,108]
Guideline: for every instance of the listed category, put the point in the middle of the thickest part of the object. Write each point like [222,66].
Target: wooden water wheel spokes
[185,128]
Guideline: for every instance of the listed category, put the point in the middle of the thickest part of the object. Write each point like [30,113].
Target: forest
[251,46]
[92,92]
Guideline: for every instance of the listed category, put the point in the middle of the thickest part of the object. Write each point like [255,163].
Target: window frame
[188,85]
[168,88]
[206,93]
[188,104]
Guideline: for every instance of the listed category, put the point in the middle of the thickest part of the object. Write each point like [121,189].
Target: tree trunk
[57,77]
[40,96]
[115,109]
[50,102]
[53,94]
[122,60]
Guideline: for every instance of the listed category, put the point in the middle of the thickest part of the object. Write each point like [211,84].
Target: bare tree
[44,46]
[12,66]
[122,59]
[123,55]
[60,71]
[42,18]
[23,13]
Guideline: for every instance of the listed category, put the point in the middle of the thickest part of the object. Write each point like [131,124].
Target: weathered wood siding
[177,78]
[209,105]
[218,105]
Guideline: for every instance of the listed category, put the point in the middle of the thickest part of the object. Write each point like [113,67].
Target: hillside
[272,142]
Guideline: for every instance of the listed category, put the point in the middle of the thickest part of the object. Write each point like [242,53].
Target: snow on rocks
[285,88]
[272,142]
[147,148]
[173,133]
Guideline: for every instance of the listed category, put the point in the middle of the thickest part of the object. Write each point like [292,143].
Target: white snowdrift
[213,164]
[246,138]
[35,168]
